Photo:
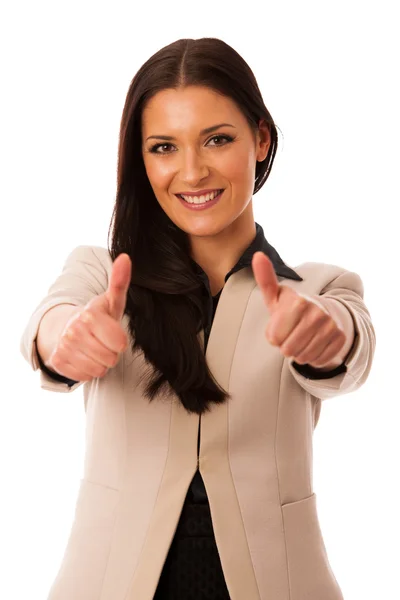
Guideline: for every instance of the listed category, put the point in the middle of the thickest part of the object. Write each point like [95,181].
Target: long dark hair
[165,303]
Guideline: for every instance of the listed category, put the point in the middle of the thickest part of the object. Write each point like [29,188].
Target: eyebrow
[202,132]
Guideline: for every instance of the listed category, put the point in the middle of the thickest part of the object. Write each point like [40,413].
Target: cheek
[240,170]
[159,173]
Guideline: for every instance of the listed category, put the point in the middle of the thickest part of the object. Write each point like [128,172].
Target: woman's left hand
[299,325]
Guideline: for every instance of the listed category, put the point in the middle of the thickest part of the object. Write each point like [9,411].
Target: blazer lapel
[214,460]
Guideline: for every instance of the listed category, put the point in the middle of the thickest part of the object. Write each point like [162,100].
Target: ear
[263,140]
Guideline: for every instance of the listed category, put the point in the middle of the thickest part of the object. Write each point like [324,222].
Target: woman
[198,469]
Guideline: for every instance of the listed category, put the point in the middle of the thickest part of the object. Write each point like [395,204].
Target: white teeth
[200,199]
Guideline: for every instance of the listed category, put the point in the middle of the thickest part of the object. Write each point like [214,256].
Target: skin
[193,162]
[302,327]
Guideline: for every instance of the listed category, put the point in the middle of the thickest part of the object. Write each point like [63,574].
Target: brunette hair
[165,303]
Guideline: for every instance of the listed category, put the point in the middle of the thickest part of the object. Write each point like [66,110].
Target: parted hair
[165,300]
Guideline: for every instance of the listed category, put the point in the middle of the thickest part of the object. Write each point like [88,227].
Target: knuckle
[86,316]
[331,321]
[74,330]
[68,344]
[123,342]
[332,326]
[100,371]
[300,302]
[113,361]
[78,326]
[273,338]
[320,317]
[70,334]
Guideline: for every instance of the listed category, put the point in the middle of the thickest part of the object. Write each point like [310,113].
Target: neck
[217,254]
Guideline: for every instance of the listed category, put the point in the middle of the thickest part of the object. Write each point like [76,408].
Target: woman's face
[193,161]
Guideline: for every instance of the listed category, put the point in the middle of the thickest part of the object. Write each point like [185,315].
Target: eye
[156,146]
[227,138]
[223,137]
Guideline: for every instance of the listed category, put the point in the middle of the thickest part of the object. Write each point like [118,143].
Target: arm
[343,317]
[83,276]
[343,296]
[51,327]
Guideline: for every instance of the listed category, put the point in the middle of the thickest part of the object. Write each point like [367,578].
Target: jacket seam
[121,484]
[227,450]
[279,490]
[152,513]
[102,485]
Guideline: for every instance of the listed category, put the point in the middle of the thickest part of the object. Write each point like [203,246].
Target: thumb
[266,278]
[118,285]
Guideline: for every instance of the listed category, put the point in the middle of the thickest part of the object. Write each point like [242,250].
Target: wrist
[344,320]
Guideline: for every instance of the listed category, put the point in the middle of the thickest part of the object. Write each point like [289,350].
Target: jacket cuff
[53,374]
[312,373]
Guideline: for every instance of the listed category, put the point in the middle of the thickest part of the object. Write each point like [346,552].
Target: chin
[205,229]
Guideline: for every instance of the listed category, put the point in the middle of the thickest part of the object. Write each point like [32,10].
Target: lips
[200,206]
[217,194]
[200,193]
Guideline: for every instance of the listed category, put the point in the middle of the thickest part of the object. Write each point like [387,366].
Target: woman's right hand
[93,337]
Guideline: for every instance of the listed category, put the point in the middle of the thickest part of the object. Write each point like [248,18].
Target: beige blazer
[255,451]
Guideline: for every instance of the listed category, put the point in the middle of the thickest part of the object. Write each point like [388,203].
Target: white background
[328,73]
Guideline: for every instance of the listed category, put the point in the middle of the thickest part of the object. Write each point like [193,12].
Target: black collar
[258,243]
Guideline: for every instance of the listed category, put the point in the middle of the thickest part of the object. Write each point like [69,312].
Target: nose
[193,169]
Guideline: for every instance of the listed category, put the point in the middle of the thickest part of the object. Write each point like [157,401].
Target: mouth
[193,202]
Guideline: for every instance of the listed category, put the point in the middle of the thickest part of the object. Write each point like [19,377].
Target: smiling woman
[207,143]
[198,468]
[193,164]
[194,122]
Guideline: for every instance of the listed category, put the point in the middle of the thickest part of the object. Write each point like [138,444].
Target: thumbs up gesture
[299,325]
[93,337]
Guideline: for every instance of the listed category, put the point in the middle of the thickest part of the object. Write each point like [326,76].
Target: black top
[197,492]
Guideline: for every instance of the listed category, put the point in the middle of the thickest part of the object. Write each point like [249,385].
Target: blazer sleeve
[52,374]
[347,288]
[84,275]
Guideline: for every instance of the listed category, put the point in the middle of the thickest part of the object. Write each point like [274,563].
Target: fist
[93,338]
[299,325]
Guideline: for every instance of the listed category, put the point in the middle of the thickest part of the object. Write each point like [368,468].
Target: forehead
[181,109]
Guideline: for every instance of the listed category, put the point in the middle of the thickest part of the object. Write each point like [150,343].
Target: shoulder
[91,254]
[88,263]
[319,278]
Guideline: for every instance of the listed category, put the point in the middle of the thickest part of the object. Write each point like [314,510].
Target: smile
[201,202]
